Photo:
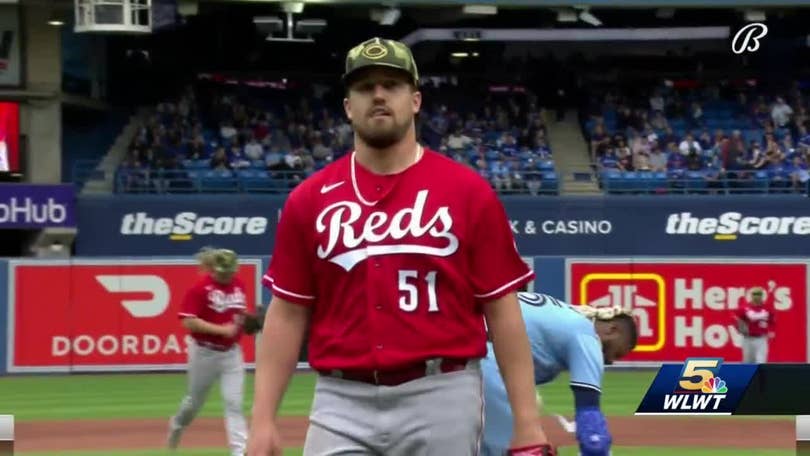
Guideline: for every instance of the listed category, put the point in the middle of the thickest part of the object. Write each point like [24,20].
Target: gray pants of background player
[205,366]
[755,349]
[437,415]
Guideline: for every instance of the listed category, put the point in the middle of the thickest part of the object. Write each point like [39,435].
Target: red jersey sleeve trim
[185,314]
[296,296]
[506,286]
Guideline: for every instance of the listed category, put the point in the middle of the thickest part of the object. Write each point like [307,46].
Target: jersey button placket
[375,272]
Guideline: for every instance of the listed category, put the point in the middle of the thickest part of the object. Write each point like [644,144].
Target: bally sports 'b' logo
[699,388]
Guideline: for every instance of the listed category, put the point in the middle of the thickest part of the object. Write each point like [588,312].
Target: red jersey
[215,303]
[395,268]
[759,319]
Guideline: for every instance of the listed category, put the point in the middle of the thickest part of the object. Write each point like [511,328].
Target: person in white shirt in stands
[254,150]
[780,113]
[688,144]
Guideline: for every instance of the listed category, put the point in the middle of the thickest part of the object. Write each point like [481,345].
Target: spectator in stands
[227,131]
[781,113]
[609,161]
[599,141]
[657,102]
[762,115]
[501,175]
[219,161]
[688,145]
[238,159]
[799,176]
[641,160]
[320,151]
[458,140]
[773,154]
[694,160]
[756,158]
[803,144]
[658,159]
[254,149]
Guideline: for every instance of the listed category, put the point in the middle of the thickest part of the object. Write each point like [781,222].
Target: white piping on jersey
[419,153]
[507,285]
[281,290]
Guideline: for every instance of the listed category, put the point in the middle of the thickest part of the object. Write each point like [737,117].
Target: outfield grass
[65,397]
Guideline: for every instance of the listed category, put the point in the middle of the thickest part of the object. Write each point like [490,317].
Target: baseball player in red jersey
[755,321]
[212,311]
[390,260]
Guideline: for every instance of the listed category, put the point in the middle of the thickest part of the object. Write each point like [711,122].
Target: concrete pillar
[41,119]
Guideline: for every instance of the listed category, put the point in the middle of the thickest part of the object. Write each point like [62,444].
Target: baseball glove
[536,450]
[251,324]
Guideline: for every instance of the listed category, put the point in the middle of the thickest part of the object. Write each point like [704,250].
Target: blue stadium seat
[549,182]
[252,180]
[695,182]
[215,181]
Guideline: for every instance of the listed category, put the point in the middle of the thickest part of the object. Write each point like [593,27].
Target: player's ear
[347,108]
[416,99]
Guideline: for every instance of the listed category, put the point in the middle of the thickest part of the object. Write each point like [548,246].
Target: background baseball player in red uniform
[755,321]
[392,258]
[212,312]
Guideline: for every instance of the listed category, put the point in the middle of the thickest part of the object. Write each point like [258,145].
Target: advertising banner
[728,225]
[695,225]
[176,224]
[98,316]
[685,307]
[25,206]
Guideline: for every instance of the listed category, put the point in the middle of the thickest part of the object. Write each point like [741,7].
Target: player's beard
[382,135]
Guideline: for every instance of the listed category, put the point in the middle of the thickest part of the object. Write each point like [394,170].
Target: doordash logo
[139,308]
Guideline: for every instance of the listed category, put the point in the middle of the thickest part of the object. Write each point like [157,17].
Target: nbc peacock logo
[715,385]
[699,388]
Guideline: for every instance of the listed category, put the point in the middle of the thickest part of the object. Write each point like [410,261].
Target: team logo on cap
[375,51]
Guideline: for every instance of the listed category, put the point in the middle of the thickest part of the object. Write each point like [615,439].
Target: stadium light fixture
[388,16]
[588,18]
[480,9]
[460,55]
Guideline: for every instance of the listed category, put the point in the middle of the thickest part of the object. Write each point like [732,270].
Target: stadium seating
[511,166]
[719,116]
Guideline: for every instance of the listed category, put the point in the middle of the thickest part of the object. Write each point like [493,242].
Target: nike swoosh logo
[329,188]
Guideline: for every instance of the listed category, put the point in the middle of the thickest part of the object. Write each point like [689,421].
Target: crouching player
[580,339]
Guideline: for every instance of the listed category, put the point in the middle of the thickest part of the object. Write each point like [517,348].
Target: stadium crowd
[271,143]
[708,140]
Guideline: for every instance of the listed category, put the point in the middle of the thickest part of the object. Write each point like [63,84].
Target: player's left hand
[592,433]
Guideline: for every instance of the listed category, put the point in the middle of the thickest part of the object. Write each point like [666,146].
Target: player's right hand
[264,439]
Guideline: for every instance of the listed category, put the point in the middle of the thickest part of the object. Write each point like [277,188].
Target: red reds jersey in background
[395,268]
[759,319]
[215,303]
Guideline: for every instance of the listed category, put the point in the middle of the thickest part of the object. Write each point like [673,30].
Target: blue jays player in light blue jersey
[579,339]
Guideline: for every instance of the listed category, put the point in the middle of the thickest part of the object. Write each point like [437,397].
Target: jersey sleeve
[289,274]
[496,267]
[585,361]
[193,302]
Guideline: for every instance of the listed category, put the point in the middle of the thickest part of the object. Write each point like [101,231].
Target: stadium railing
[278,182]
[696,182]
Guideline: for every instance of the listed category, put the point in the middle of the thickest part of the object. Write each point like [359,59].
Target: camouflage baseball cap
[380,52]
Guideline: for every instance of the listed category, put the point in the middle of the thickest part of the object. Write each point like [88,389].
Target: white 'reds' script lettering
[338,219]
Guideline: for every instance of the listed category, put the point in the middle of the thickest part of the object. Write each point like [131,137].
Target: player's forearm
[277,355]
[514,357]
[201,326]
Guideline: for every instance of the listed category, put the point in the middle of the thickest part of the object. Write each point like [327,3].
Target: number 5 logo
[702,368]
